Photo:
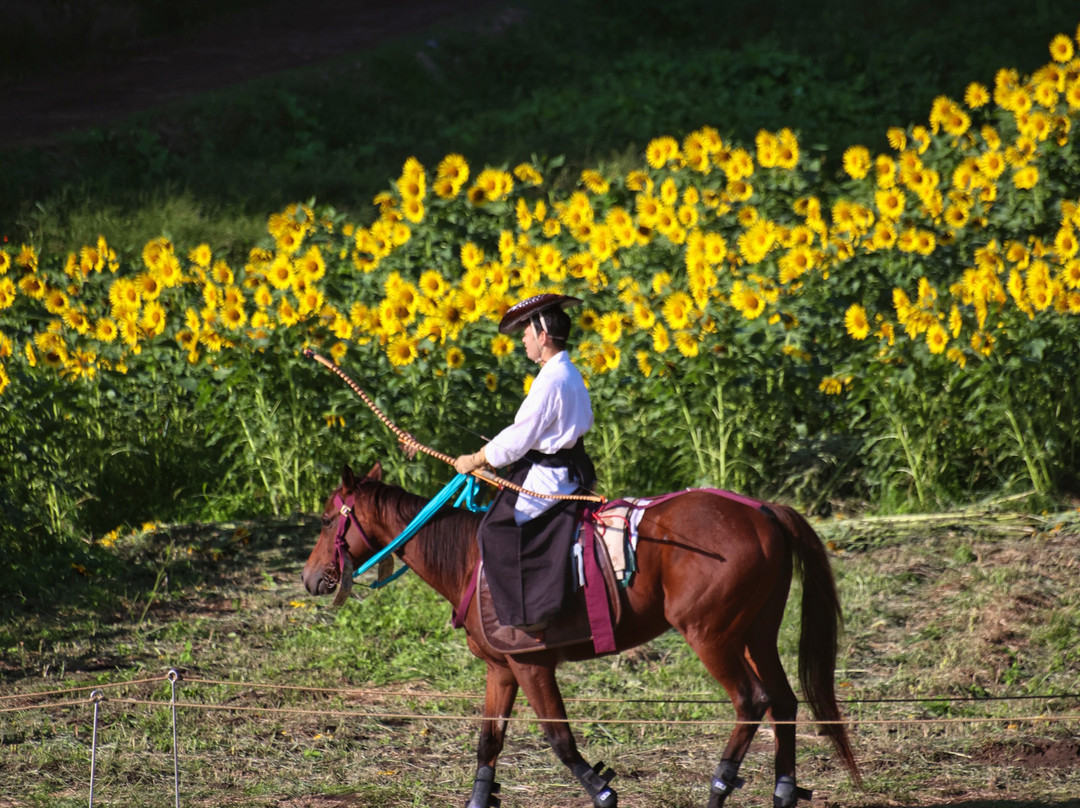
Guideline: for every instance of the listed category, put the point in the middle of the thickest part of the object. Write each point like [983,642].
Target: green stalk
[914,463]
[258,462]
[1036,469]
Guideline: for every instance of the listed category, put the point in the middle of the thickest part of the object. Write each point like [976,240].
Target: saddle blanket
[617,526]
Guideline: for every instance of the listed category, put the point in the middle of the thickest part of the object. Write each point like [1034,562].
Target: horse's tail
[822,620]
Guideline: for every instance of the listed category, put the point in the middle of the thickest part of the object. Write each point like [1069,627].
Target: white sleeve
[533,419]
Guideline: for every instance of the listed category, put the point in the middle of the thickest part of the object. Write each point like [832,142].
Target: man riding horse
[525,541]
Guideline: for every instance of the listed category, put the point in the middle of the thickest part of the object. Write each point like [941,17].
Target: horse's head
[343,542]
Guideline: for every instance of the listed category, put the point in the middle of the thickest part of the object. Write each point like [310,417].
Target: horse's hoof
[484,790]
[725,780]
[606,799]
[787,794]
[596,780]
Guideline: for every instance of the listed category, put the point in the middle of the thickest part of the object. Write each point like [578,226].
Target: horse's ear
[348,478]
[376,472]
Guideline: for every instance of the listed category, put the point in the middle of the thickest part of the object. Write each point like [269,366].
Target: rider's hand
[470,462]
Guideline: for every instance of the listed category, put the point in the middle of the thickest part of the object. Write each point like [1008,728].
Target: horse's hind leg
[536,674]
[723,657]
[499,698]
[783,707]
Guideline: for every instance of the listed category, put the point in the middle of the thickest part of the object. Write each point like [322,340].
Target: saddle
[572,626]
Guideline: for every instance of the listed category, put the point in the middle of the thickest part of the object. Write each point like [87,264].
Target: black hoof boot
[596,779]
[787,794]
[484,790]
[724,781]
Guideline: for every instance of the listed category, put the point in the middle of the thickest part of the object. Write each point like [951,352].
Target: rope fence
[97,697]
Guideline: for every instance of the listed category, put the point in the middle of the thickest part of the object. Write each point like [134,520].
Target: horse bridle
[341,547]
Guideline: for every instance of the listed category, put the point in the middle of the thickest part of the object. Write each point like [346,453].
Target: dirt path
[233,50]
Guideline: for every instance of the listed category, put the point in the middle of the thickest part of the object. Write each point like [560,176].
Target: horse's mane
[447,541]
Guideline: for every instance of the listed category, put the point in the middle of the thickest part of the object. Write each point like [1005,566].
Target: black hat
[519,315]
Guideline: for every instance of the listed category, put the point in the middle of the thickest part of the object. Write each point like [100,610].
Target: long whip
[412,443]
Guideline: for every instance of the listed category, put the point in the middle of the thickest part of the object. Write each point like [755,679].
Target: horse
[717,569]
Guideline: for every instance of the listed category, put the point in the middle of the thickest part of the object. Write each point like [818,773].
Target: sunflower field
[903,331]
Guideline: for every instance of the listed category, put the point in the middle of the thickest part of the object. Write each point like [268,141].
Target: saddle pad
[571,627]
[616,526]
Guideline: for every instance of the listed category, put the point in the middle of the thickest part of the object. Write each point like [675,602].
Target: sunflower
[676,310]
[27,257]
[200,255]
[856,322]
[756,241]
[56,302]
[153,319]
[857,162]
[648,209]
[286,313]
[1026,178]
[610,327]
[687,344]
[128,327]
[897,138]
[502,346]
[660,338]
[795,262]
[976,95]
[1065,243]
[612,356]
[638,181]
[660,151]
[168,271]
[281,274]
[594,181]
[454,169]
[472,255]
[956,216]
[7,293]
[890,203]
[455,357]
[32,286]
[644,317]
[746,300]
[77,321]
[311,266]
[233,317]
[5,262]
[1061,48]
[444,188]
[937,338]
[831,386]
[526,172]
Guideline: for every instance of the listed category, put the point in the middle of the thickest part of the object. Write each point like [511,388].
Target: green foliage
[240,424]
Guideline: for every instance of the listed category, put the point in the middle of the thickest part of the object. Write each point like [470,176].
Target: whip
[412,443]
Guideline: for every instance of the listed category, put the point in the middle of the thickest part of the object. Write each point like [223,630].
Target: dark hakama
[528,566]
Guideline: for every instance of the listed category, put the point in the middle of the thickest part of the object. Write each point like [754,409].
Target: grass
[289,703]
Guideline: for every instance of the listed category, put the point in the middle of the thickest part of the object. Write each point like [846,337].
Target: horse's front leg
[499,698]
[536,674]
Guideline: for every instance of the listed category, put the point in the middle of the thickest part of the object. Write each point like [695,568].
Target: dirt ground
[235,49]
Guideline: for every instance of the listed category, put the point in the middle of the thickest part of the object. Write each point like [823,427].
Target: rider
[525,541]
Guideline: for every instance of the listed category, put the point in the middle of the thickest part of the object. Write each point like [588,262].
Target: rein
[345,508]
[412,443]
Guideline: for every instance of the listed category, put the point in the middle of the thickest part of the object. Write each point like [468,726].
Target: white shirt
[556,412]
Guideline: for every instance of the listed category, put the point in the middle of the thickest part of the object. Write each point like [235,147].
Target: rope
[411,442]
[409,694]
[801,722]
[97,696]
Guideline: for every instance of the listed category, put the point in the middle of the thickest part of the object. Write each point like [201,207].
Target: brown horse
[716,569]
